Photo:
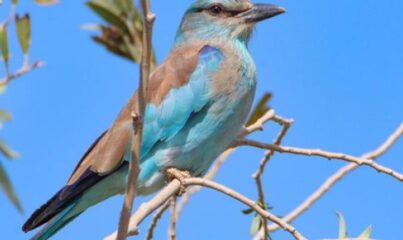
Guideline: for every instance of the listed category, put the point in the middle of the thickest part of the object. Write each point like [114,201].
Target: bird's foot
[174,173]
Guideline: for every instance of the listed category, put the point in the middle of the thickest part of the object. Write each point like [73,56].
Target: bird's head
[228,19]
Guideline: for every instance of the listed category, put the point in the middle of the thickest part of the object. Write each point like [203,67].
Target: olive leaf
[23,26]
[7,151]
[257,223]
[121,34]
[260,109]
[46,2]
[4,43]
[342,226]
[366,234]
[6,186]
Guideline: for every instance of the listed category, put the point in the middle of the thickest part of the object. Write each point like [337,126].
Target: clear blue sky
[336,67]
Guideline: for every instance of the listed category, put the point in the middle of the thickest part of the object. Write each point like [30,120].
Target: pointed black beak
[259,12]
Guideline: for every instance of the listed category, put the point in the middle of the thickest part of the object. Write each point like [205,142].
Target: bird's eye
[215,10]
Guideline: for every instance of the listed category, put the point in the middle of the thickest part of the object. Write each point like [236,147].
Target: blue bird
[197,102]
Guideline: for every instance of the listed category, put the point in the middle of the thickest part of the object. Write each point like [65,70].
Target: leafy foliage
[365,235]
[23,25]
[260,109]
[4,44]
[122,30]
[5,185]
[23,31]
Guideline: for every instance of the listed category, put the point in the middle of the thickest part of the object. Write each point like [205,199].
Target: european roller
[197,102]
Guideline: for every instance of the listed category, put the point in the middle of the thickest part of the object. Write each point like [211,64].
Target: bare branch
[147,208]
[286,123]
[172,225]
[174,186]
[324,154]
[258,125]
[22,71]
[331,181]
[258,174]
[155,220]
[138,120]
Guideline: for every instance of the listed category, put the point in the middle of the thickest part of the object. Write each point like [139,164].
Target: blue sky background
[336,67]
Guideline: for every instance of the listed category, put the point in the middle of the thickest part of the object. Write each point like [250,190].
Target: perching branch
[174,186]
[210,175]
[324,154]
[148,21]
[332,180]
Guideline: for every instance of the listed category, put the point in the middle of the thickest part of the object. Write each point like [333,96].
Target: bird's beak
[259,12]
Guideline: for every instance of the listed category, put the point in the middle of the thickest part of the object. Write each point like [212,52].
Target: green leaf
[46,2]
[7,152]
[256,225]
[5,116]
[109,13]
[4,43]
[5,185]
[23,25]
[15,2]
[247,211]
[124,6]
[342,226]
[3,87]
[366,234]
[260,109]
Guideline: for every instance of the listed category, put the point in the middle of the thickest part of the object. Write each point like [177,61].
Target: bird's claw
[173,173]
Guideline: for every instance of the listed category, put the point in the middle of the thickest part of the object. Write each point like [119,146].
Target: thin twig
[258,125]
[148,207]
[332,180]
[22,71]
[137,120]
[285,123]
[172,225]
[174,186]
[155,220]
[324,154]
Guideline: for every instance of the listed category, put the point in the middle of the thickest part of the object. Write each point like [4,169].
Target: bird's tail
[56,223]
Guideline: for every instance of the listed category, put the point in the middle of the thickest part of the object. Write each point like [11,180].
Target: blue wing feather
[164,121]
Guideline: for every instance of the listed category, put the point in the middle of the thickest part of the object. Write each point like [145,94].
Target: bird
[196,103]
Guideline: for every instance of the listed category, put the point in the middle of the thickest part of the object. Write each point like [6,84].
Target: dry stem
[137,121]
[174,186]
[332,180]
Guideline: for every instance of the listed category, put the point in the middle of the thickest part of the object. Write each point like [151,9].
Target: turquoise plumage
[196,104]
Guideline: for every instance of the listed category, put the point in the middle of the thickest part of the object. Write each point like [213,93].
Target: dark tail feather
[42,214]
[62,199]
[55,224]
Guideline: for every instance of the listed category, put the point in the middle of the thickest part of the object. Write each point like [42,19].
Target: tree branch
[174,186]
[324,154]
[148,21]
[172,225]
[331,181]
[25,69]
[155,220]
[286,124]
